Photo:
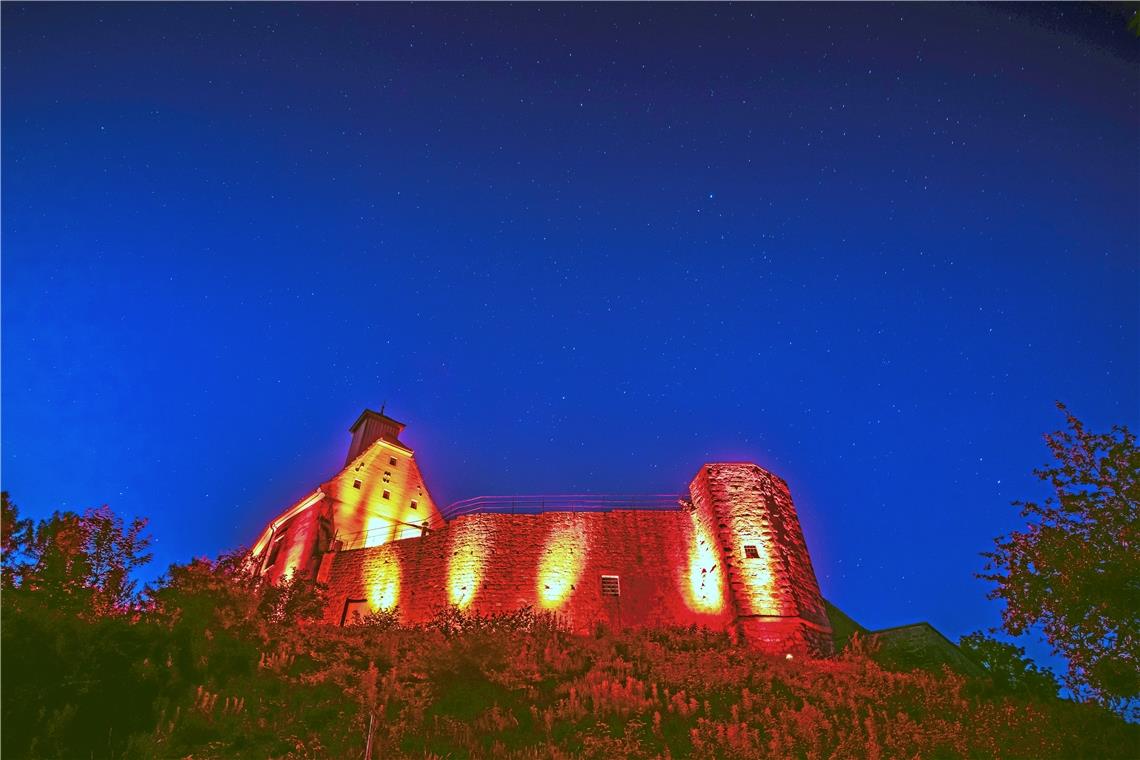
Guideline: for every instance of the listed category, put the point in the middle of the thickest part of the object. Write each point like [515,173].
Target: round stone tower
[771,584]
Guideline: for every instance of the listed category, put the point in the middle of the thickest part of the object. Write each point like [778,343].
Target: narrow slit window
[751,552]
[274,552]
[611,585]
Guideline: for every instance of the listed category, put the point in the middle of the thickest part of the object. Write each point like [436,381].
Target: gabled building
[378,497]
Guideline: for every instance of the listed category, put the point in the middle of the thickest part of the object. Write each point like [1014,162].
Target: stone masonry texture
[732,559]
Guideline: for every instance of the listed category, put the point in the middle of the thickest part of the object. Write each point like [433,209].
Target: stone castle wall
[673,568]
[493,563]
[755,509]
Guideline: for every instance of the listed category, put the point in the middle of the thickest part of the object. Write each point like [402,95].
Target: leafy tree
[206,593]
[114,551]
[84,679]
[80,562]
[73,679]
[291,600]
[15,534]
[227,593]
[1007,665]
[1075,568]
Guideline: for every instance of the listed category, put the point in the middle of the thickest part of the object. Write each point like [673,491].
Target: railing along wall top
[538,503]
[529,504]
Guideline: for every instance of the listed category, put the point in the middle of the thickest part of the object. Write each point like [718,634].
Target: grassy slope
[520,689]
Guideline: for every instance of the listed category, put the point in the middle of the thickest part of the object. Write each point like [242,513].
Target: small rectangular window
[356,484]
[354,611]
[387,494]
[413,504]
[751,552]
[611,585]
[392,461]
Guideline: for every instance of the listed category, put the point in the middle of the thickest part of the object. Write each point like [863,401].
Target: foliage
[1075,569]
[509,689]
[74,685]
[92,681]
[452,621]
[294,598]
[216,664]
[382,620]
[504,687]
[80,562]
[228,593]
[1011,670]
[206,594]
[15,534]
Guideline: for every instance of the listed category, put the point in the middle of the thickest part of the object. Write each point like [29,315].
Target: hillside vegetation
[213,662]
[208,682]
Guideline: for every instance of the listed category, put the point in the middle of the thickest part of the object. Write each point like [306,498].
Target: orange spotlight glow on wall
[383,582]
[378,530]
[756,573]
[467,563]
[299,544]
[563,558]
[705,575]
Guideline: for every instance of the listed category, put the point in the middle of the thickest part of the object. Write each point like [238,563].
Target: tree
[228,593]
[77,665]
[15,535]
[205,594]
[293,599]
[82,562]
[1075,568]
[1007,665]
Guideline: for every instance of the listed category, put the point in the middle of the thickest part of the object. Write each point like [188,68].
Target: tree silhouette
[1075,568]
[1007,665]
[75,561]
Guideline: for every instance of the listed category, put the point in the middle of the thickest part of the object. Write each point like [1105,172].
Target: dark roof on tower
[369,412]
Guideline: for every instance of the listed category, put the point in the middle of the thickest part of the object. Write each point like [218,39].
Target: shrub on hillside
[503,689]
[214,663]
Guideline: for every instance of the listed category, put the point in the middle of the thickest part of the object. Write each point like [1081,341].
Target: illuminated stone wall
[379,497]
[382,507]
[490,563]
[297,538]
[674,568]
[774,591]
[733,559]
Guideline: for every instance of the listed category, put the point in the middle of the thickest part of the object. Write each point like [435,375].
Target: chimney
[369,427]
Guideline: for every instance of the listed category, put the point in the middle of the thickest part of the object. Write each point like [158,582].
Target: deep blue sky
[574,248]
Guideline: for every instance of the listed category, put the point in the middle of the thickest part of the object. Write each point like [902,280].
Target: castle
[728,555]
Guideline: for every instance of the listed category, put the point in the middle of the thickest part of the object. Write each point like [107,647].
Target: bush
[506,686]
[214,663]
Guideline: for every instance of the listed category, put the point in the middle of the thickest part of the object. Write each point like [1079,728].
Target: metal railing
[376,536]
[531,504]
[538,503]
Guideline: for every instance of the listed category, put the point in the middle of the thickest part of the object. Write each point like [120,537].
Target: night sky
[575,248]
